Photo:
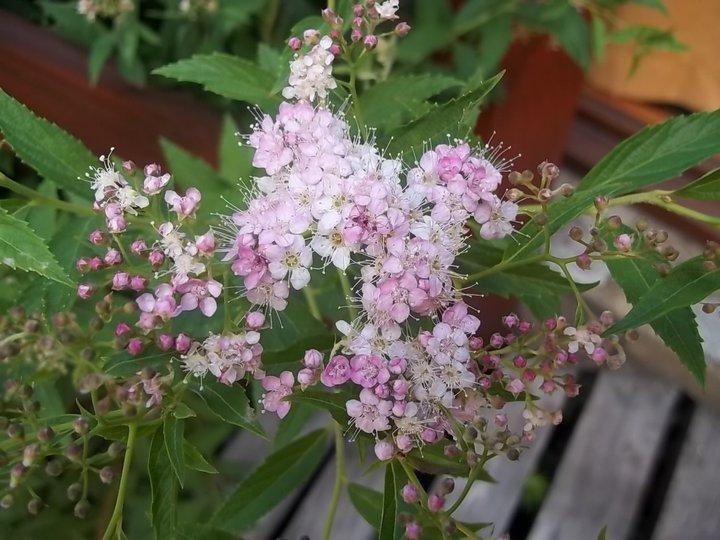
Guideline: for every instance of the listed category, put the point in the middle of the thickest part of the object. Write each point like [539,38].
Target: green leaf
[52,152]
[333,402]
[195,460]
[281,472]
[21,248]
[367,502]
[100,52]
[389,524]
[602,535]
[229,403]
[182,411]
[389,102]
[432,460]
[235,160]
[654,154]
[41,219]
[706,188]
[454,118]
[163,489]
[291,426]
[173,434]
[229,76]
[678,328]
[687,284]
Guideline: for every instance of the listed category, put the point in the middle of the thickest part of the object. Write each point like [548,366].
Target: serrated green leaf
[195,460]
[452,118]
[52,152]
[229,403]
[678,328]
[654,154]
[389,102]
[21,248]
[706,188]
[226,75]
[367,502]
[163,489]
[686,285]
[273,481]
[173,436]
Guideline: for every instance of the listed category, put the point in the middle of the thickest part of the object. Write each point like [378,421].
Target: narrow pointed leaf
[367,502]
[195,460]
[173,435]
[281,472]
[163,489]
[389,524]
[706,188]
[229,403]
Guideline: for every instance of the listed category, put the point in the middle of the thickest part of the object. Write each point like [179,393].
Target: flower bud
[97,238]
[313,359]
[601,203]
[17,471]
[410,493]
[447,485]
[81,509]
[384,450]
[156,258]
[623,242]
[370,41]
[182,343]
[294,43]
[576,233]
[116,449]
[54,468]
[255,320]
[413,530]
[30,454]
[583,261]
[74,491]
[165,342]
[135,346]
[81,426]
[436,502]
[451,450]
[15,431]
[34,506]
[85,291]
[402,29]
[107,475]
[7,501]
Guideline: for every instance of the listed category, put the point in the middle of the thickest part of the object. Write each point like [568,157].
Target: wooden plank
[309,517]
[691,509]
[496,503]
[611,454]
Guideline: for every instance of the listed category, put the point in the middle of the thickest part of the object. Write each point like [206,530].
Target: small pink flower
[255,320]
[138,247]
[370,414]
[165,342]
[85,291]
[122,328]
[336,372]
[367,371]
[294,43]
[205,244]
[436,502]
[413,530]
[307,377]
[182,343]
[153,184]
[384,450]
[515,386]
[277,389]
[185,205]
[138,283]
[135,346]
[156,258]
[197,293]
[370,41]
[112,257]
[623,242]
[410,493]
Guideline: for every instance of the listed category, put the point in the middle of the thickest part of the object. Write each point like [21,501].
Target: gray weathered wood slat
[496,503]
[692,504]
[309,517]
[609,459]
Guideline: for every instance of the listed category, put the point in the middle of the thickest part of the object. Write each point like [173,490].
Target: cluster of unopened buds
[311,72]
[104,9]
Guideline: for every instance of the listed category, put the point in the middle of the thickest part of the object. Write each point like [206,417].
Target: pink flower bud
[404,443]
[529,376]
[85,290]
[382,391]
[165,342]
[294,43]
[525,326]
[511,320]
[548,386]
[334,49]
[485,383]
[112,257]
[496,341]
[117,224]
[95,264]
[254,320]
[306,377]
[138,246]
[122,328]
[436,502]
[476,343]
[583,261]
[410,493]
[413,530]
[138,283]
[520,362]
[370,41]
[516,386]
[151,169]
[156,258]
[128,166]
[97,238]
[313,359]
[82,265]
[428,435]
[623,242]
[205,243]
[182,343]
[358,10]
[599,355]
[355,35]
[402,29]
[384,450]
[120,281]
[311,36]
[152,185]
[135,346]
[357,22]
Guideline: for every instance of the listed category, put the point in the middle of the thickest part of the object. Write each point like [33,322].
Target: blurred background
[638,451]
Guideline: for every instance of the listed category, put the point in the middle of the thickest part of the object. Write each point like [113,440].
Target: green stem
[467,532]
[339,481]
[331,4]
[116,519]
[41,199]
[681,210]
[468,484]
[502,266]
[352,312]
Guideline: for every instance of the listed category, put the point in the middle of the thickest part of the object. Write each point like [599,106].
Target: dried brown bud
[641,225]
[34,506]
[514,194]
[614,222]
[566,190]
[81,426]
[576,233]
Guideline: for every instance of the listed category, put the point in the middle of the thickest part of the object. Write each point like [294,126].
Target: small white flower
[311,74]
[387,10]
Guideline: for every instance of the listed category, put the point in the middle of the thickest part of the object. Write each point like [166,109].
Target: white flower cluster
[311,73]
[110,9]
